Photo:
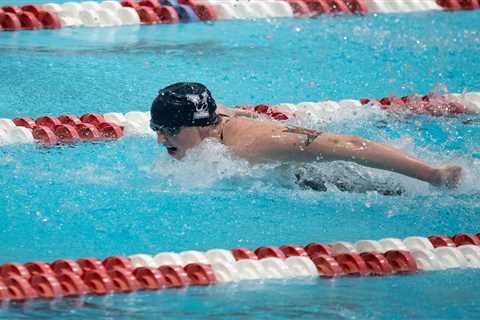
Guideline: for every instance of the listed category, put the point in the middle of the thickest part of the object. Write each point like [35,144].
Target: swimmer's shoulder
[246,132]
[247,123]
[243,126]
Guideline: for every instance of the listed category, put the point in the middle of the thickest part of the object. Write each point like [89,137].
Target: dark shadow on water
[63,307]
[208,47]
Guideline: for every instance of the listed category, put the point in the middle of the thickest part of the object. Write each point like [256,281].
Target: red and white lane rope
[116,274]
[431,104]
[130,12]
[91,127]
[52,130]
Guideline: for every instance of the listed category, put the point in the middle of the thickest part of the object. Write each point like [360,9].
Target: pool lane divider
[51,130]
[149,12]
[28,17]
[430,104]
[120,274]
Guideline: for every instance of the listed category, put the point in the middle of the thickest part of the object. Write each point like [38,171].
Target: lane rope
[150,12]
[120,274]
[111,126]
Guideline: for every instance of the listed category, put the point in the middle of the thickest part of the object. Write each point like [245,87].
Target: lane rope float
[150,12]
[120,274]
[114,125]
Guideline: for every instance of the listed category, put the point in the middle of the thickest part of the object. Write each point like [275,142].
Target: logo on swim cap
[201,105]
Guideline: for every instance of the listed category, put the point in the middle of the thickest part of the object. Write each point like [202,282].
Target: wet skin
[263,141]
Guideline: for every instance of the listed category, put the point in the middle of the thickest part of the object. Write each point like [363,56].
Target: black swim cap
[184,104]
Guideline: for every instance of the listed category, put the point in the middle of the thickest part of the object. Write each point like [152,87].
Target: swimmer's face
[178,144]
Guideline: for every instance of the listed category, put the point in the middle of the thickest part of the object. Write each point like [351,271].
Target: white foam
[203,166]
[92,175]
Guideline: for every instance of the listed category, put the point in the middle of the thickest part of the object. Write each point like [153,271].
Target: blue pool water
[127,197]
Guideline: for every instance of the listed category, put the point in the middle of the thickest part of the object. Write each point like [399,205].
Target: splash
[213,165]
[93,174]
[209,164]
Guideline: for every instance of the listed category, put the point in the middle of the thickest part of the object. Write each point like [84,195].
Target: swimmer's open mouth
[171,150]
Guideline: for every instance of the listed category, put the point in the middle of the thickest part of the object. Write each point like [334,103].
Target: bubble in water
[209,163]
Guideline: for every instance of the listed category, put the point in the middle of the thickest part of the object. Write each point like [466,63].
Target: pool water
[128,196]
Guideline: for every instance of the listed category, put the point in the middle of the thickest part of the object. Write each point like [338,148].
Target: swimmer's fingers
[450,176]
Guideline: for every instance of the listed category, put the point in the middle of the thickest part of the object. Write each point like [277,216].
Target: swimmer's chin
[175,153]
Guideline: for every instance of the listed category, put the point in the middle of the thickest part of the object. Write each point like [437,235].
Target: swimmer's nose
[161,138]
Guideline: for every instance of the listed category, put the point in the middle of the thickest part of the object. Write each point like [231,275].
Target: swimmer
[184,114]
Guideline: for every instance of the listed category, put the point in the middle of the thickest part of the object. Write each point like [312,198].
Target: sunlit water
[129,196]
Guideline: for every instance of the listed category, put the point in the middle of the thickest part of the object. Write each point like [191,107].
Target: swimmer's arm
[285,146]
[277,145]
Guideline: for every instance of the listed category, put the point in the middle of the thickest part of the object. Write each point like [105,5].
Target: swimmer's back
[259,140]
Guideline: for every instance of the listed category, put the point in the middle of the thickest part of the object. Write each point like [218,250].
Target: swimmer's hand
[448,176]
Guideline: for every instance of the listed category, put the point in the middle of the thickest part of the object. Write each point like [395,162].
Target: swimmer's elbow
[353,142]
[338,142]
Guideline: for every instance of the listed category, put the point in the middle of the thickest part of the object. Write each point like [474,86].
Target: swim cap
[184,104]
